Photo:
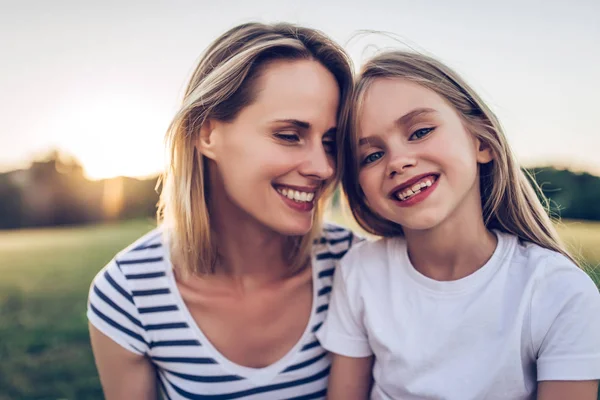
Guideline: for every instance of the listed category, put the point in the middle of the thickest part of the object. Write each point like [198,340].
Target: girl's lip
[417,198]
[410,182]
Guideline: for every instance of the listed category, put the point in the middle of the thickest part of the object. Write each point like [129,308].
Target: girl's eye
[420,133]
[288,137]
[371,158]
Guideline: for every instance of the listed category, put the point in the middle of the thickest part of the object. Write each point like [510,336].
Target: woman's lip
[302,206]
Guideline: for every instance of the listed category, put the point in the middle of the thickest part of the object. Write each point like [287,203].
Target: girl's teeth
[310,196]
[415,189]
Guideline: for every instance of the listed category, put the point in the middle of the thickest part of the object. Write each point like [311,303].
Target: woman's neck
[454,249]
[247,250]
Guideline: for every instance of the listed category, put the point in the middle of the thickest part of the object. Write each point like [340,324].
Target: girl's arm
[123,374]
[350,378]
[559,390]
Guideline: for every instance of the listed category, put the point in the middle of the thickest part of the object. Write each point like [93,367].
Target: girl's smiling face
[418,162]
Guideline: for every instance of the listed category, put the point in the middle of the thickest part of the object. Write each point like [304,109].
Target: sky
[102,80]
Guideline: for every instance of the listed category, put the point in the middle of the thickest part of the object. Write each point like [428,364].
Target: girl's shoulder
[539,262]
[554,280]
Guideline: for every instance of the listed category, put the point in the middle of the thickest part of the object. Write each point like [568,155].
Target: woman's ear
[207,139]
[484,152]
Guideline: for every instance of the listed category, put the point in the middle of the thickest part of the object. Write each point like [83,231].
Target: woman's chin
[293,227]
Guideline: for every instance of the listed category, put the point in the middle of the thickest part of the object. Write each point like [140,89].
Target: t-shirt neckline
[470,282]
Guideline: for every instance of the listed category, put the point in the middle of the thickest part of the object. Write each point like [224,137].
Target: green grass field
[45,275]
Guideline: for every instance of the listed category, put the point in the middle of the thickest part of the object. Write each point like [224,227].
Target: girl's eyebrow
[403,120]
[364,141]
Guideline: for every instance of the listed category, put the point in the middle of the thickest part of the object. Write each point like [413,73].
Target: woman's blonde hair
[508,198]
[223,83]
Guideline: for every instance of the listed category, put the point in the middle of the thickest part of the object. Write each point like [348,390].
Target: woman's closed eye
[420,133]
[288,136]
[372,157]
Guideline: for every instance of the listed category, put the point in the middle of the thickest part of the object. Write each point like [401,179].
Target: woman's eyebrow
[305,125]
[297,123]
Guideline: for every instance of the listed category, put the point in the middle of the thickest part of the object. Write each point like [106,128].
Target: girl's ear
[206,143]
[484,152]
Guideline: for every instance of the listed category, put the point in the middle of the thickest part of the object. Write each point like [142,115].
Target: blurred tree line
[570,195]
[54,191]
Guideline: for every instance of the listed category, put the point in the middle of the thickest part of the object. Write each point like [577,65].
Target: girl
[223,300]
[469,295]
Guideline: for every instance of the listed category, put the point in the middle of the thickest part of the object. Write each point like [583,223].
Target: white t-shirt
[529,314]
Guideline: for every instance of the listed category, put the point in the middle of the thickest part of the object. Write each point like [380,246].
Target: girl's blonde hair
[223,83]
[509,200]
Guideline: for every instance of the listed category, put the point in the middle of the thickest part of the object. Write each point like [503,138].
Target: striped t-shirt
[135,301]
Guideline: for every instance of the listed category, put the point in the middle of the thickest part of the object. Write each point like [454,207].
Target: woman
[224,298]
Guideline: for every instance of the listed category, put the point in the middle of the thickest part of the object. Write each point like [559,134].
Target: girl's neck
[454,249]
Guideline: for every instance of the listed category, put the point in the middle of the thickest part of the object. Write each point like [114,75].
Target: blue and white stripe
[134,301]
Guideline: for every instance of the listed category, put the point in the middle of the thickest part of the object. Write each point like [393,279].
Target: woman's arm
[350,378]
[124,375]
[559,390]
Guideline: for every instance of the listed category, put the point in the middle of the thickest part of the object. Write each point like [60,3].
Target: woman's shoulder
[334,241]
[331,244]
[151,243]
[352,248]
[146,257]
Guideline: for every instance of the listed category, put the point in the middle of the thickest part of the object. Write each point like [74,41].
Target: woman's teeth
[296,195]
[415,189]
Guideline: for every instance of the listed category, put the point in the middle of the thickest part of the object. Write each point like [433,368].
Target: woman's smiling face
[274,159]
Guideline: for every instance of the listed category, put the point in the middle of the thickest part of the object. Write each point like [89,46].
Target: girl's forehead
[386,101]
